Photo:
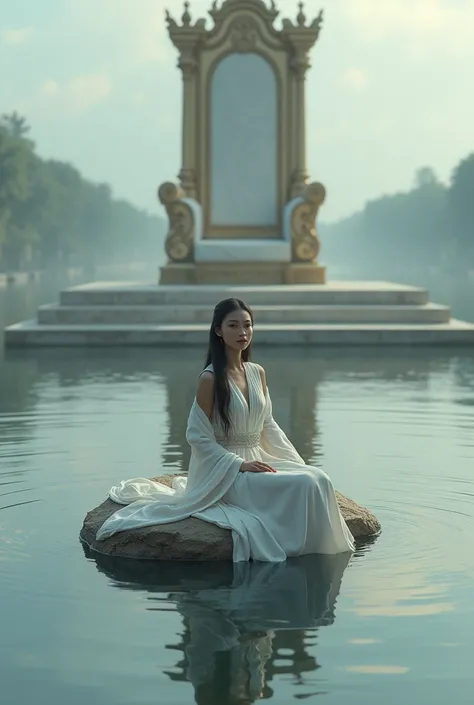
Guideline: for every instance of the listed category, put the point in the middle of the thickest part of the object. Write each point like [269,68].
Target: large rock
[193,539]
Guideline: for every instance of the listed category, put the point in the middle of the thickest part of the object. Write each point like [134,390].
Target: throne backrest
[241,170]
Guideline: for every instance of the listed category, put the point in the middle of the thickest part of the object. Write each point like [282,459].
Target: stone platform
[351,313]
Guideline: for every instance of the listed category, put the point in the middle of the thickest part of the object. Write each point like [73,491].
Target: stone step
[30,333]
[53,314]
[357,293]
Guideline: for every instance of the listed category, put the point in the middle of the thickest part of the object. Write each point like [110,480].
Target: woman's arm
[205,393]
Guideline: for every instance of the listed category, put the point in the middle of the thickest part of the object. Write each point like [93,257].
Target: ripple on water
[414,454]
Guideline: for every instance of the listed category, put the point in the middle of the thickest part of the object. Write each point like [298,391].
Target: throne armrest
[185,222]
[299,223]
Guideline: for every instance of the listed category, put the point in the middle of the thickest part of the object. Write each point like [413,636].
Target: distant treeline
[50,215]
[429,227]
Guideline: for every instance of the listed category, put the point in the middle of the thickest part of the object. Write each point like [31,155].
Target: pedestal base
[302,273]
[263,273]
[336,313]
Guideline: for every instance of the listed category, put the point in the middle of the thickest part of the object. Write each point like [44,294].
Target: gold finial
[301,18]
[318,21]
[186,18]
[170,21]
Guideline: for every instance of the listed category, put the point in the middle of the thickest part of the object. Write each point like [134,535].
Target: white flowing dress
[272,516]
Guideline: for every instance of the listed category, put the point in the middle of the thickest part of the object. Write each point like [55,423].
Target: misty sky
[390,90]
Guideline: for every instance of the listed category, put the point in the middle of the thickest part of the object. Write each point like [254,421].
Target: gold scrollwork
[179,243]
[305,243]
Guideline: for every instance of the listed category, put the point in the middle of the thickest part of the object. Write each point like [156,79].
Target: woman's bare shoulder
[205,392]
[205,383]
[206,374]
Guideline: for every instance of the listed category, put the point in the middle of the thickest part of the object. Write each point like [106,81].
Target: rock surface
[193,539]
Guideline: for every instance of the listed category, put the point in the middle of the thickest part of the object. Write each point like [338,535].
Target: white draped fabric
[271,515]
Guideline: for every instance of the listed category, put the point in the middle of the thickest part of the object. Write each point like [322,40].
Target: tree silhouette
[50,214]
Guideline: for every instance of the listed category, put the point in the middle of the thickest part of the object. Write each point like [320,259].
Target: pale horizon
[387,93]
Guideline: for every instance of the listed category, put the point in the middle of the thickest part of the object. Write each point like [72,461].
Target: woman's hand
[255,466]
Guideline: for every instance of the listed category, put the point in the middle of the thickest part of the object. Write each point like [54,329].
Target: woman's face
[236,330]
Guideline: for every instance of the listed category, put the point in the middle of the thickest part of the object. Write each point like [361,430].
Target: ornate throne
[243,211]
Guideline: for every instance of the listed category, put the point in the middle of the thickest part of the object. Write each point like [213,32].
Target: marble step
[31,333]
[52,314]
[333,293]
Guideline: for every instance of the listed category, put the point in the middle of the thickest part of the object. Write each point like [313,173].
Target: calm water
[394,429]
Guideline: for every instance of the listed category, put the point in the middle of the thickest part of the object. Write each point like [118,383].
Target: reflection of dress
[241,621]
[271,515]
[244,623]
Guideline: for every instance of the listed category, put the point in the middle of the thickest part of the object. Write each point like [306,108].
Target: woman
[244,473]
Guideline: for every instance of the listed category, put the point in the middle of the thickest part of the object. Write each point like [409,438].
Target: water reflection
[47,386]
[392,427]
[243,624]
[287,367]
[296,379]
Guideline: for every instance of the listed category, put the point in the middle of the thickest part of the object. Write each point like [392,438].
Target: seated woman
[244,474]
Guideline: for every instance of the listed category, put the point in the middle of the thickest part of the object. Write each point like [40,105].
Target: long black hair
[216,355]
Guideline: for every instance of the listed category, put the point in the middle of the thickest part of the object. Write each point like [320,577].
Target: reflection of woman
[244,474]
[236,616]
[231,630]
[223,665]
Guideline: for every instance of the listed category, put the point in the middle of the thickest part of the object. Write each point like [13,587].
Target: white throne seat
[243,249]
[227,250]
